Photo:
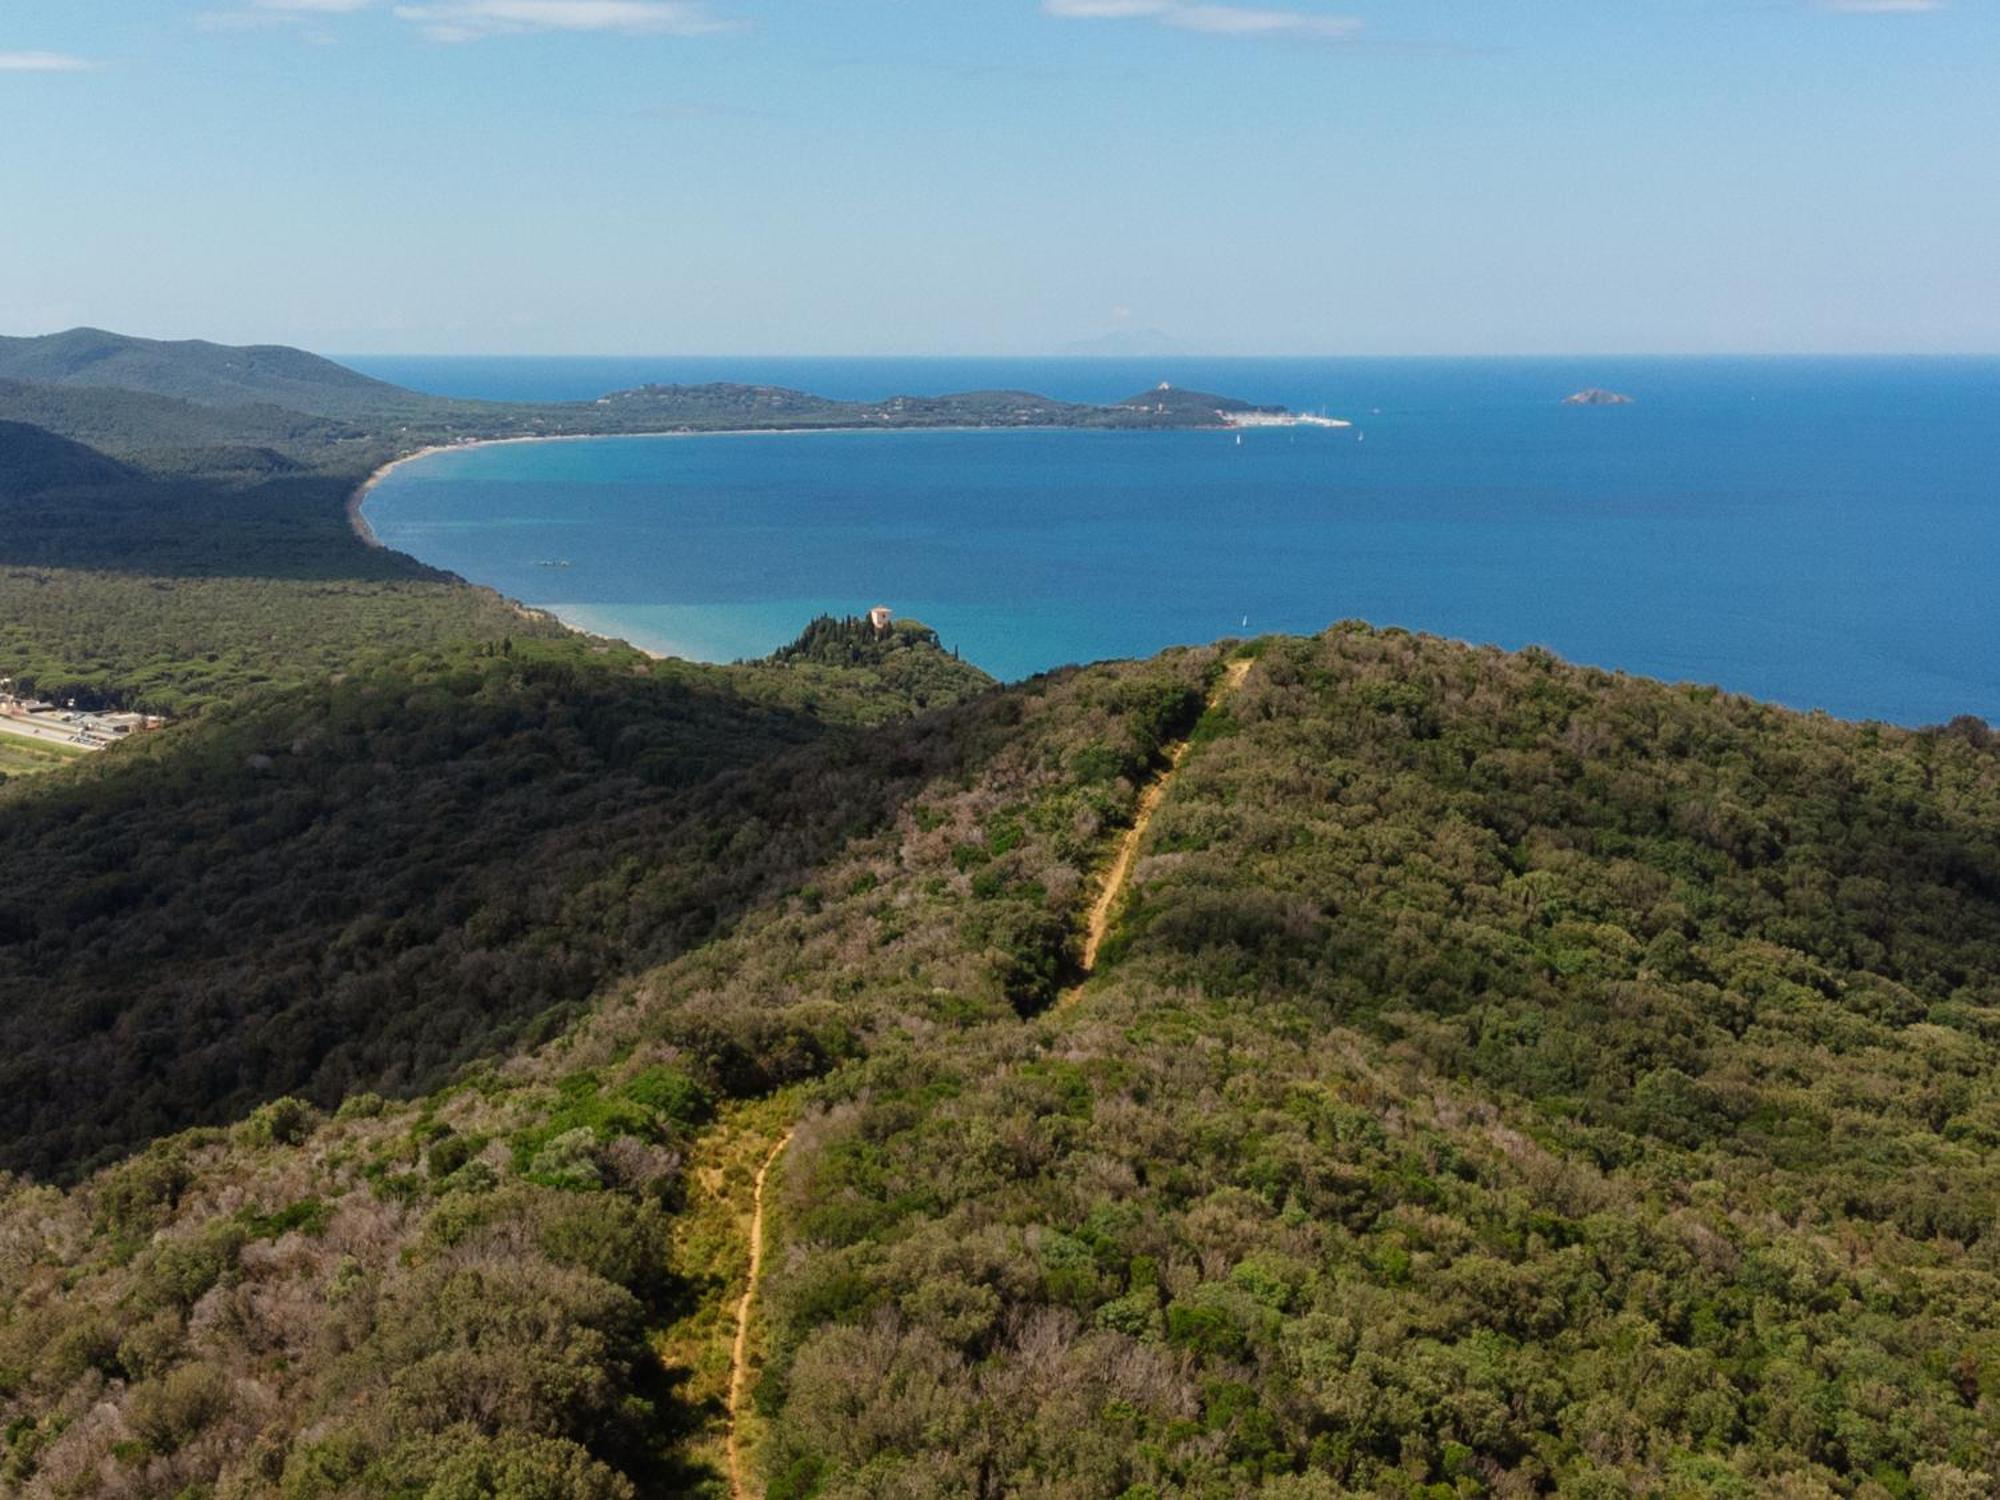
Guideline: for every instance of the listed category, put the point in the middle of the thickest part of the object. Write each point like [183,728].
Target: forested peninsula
[1358,1065]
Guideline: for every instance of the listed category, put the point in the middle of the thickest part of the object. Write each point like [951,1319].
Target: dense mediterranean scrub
[455,1295]
[211,916]
[1507,1079]
[866,674]
[1503,1079]
[179,645]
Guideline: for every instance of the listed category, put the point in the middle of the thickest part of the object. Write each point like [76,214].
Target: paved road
[42,732]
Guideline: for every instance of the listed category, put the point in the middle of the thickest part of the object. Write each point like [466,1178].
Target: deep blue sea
[1822,533]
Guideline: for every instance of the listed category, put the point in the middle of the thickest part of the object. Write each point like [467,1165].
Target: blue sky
[1006,176]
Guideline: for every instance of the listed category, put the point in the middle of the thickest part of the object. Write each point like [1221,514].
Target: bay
[1821,533]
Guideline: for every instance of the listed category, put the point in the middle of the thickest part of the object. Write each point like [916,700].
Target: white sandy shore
[589,620]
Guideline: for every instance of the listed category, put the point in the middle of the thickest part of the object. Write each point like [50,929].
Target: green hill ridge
[197,371]
[1488,1051]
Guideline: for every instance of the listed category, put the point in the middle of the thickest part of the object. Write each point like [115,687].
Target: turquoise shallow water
[1821,533]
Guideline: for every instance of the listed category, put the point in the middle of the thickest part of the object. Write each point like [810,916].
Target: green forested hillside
[212,556]
[33,461]
[1501,1079]
[1505,1079]
[197,371]
[868,675]
[135,423]
[176,645]
[185,554]
[208,918]
[454,1296]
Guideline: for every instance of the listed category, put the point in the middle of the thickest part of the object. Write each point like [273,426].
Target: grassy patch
[20,756]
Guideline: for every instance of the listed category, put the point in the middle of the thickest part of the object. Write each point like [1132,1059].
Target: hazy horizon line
[1973,354]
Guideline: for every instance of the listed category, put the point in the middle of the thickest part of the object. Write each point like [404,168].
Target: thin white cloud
[1235,20]
[1105,10]
[43,62]
[269,14]
[469,20]
[1215,20]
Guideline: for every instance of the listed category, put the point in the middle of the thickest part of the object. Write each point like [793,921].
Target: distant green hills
[251,386]
[133,423]
[1127,343]
[194,370]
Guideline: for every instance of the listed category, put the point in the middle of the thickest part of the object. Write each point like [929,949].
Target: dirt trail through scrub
[739,1359]
[1115,881]
[1128,847]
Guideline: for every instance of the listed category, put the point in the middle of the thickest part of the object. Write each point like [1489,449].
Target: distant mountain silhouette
[1128,343]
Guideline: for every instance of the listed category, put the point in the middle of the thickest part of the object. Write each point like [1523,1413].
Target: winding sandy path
[1128,847]
[739,1357]
[1115,881]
